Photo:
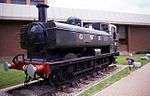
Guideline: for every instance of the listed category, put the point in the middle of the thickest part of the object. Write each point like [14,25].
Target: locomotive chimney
[42,12]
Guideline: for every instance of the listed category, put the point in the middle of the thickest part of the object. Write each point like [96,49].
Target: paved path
[135,84]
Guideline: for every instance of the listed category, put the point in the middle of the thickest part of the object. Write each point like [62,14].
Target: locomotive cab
[115,37]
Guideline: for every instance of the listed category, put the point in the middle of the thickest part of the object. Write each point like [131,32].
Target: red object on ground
[135,84]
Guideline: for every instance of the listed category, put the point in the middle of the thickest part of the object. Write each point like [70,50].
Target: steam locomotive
[60,51]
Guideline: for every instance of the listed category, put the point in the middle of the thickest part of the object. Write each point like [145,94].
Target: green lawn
[112,79]
[105,83]
[11,77]
[122,59]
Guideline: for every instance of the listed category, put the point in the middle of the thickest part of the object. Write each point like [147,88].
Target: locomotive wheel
[66,73]
[69,69]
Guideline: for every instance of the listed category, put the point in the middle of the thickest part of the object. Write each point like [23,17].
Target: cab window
[113,31]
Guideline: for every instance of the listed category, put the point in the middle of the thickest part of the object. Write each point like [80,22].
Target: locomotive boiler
[59,51]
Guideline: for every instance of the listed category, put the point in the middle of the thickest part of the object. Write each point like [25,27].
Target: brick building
[134,29]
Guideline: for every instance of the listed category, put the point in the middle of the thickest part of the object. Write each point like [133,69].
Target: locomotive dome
[74,21]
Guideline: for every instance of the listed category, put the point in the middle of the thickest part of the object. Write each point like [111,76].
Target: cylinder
[42,12]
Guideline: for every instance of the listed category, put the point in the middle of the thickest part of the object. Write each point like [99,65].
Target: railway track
[79,84]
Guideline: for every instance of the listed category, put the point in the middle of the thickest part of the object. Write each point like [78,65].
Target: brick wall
[9,38]
[123,47]
[139,38]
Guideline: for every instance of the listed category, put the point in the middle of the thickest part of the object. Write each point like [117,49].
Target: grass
[11,77]
[105,83]
[112,79]
[122,59]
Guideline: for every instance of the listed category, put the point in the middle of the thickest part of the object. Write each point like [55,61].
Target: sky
[130,6]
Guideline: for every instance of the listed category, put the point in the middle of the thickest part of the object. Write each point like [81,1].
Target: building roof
[28,12]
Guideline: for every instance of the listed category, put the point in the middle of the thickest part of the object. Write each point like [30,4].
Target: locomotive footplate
[82,59]
[72,61]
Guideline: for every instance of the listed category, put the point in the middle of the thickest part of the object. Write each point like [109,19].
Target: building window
[35,2]
[123,31]
[18,1]
[2,1]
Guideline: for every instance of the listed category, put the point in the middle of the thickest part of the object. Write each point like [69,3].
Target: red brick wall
[139,38]
[123,47]
[9,38]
